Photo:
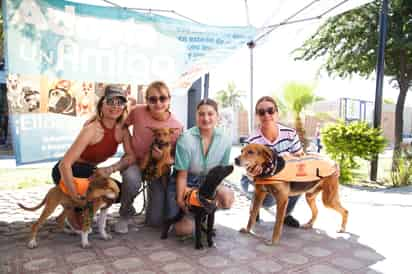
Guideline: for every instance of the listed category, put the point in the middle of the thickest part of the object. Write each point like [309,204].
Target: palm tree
[230,97]
[297,97]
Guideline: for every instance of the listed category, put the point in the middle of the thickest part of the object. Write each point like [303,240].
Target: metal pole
[383,22]
[251,45]
[206,86]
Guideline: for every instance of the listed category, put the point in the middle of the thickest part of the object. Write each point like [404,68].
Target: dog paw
[341,230]
[32,244]
[270,243]
[199,247]
[307,226]
[86,245]
[244,230]
[106,236]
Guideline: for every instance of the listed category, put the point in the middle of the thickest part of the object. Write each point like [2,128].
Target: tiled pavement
[378,241]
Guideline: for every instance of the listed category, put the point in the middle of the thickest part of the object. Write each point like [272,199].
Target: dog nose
[237,161]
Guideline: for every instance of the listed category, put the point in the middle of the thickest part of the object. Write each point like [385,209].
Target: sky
[274,63]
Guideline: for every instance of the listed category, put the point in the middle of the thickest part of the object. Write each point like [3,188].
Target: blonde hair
[158,85]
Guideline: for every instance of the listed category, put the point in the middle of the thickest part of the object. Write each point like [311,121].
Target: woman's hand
[104,172]
[254,170]
[157,154]
[181,203]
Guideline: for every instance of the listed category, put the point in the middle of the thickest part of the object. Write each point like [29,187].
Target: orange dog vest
[81,185]
[307,168]
[192,198]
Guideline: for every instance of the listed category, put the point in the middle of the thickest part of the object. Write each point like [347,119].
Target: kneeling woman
[198,150]
[97,141]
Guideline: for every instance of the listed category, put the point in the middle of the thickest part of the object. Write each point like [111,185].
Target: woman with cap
[97,141]
[155,114]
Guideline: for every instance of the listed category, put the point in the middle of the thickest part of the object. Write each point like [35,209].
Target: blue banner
[62,39]
[60,56]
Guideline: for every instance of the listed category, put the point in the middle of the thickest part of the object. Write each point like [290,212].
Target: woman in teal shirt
[198,150]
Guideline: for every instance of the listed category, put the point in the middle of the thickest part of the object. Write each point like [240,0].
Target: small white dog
[14,92]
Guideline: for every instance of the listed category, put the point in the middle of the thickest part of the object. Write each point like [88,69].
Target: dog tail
[330,190]
[33,208]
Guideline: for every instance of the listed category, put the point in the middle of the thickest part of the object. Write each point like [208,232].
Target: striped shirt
[287,141]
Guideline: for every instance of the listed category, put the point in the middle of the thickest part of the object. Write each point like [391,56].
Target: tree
[297,97]
[349,44]
[231,96]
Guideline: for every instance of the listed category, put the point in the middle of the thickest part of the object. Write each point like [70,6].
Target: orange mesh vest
[306,168]
[81,185]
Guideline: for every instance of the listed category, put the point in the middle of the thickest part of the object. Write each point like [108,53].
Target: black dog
[205,207]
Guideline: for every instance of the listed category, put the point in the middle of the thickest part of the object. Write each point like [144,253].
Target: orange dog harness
[192,198]
[307,168]
[81,185]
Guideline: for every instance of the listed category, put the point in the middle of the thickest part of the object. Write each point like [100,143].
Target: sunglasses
[115,102]
[154,99]
[262,111]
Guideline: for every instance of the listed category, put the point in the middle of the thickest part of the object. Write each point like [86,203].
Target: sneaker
[122,226]
[290,221]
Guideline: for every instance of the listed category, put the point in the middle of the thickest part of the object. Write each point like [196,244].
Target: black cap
[112,91]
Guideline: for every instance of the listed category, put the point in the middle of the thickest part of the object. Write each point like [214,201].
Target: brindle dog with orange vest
[289,176]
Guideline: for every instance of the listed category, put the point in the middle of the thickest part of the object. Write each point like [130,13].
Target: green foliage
[230,97]
[344,143]
[402,174]
[298,96]
[349,43]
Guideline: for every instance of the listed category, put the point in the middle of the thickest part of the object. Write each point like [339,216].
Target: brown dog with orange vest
[289,176]
[99,193]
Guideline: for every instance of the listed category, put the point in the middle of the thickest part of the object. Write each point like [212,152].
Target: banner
[66,40]
[61,54]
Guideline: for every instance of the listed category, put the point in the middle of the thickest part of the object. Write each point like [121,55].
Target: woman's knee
[184,227]
[226,197]
[131,179]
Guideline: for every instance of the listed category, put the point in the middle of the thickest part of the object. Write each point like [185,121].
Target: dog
[14,92]
[100,194]
[60,100]
[31,99]
[289,176]
[85,99]
[202,204]
[151,168]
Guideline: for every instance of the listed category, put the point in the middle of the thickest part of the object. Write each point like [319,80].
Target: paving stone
[37,264]
[118,251]
[317,251]
[323,269]
[93,268]
[293,258]
[179,267]
[266,266]
[163,256]
[81,257]
[128,263]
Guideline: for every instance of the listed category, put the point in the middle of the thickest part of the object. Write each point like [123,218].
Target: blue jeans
[269,200]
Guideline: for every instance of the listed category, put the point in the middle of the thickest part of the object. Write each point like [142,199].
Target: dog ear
[173,130]
[152,129]
[267,153]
